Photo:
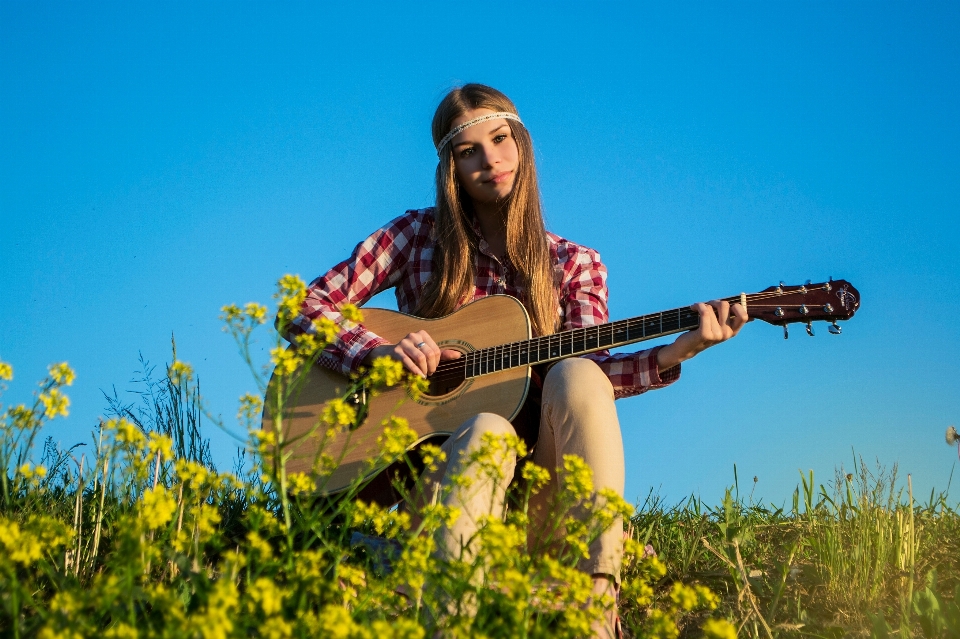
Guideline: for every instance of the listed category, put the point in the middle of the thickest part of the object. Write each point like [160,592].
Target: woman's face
[486,157]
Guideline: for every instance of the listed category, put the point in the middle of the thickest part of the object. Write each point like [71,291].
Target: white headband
[455,131]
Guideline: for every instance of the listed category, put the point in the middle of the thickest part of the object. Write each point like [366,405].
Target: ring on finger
[421,344]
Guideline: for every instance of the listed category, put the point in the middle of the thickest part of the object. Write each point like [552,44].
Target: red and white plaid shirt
[400,256]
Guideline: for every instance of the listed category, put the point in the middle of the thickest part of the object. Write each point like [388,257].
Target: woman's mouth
[498,178]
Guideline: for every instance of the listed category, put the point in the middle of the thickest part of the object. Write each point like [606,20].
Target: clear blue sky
[160,160]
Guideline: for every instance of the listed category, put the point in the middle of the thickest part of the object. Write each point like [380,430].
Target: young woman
[486,236]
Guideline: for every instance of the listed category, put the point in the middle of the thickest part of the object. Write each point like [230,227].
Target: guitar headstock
[781,305]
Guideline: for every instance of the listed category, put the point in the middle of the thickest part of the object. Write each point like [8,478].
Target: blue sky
[158,161]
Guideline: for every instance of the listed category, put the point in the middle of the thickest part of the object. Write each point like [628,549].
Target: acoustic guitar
[493,373]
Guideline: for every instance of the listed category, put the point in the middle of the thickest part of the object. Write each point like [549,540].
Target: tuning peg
[834,329]
[808,283]
[810,329]
[786,333]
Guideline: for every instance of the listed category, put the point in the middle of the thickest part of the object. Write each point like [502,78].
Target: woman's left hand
[719,321]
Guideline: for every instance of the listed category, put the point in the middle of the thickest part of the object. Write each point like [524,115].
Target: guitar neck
[581,341]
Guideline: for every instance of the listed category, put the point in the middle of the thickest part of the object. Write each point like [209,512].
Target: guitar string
[451,369]
[498,354]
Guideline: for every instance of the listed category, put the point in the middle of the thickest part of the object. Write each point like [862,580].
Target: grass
[142,536]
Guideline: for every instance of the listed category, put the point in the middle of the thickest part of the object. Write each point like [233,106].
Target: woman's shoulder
[418,220]
[566,252]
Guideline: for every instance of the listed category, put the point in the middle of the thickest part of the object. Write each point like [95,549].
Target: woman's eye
[467,152]
[500,138]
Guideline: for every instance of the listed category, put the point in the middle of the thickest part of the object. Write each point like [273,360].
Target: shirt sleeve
[583,299]
[376,264]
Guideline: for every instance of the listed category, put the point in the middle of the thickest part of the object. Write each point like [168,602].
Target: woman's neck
[493,225]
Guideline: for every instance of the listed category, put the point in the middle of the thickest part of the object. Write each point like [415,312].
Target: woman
[486,236]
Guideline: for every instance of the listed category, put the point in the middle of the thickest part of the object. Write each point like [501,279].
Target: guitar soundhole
[445,380]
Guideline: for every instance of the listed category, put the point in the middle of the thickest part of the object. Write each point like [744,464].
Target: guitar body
[489,321]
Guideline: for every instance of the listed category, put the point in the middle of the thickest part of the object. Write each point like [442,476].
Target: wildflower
[719,629]
[157,507]
[62,374]
[256,312]
[285,360]
[120,630]
[308,345]
[265,593]
[536,476]
[431,455]
[397,437]
[21,416]
[250,407]
[299,483]
[386,371]
[54,403]
[577,477]
[683,596]
[325,330]
[258,545]
[162,444]
[338,413]
[291,291]
[180,372]
[6,371]
[336,622]
[351,313]
[706,598]
[659,624]
[25,545]
[231,313]
[127,433]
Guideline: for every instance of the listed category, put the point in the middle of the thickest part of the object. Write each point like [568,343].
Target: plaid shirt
[400,256]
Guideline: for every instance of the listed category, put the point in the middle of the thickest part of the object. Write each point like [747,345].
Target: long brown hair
[455,254]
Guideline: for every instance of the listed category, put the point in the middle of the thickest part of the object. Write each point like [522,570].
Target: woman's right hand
[417,352]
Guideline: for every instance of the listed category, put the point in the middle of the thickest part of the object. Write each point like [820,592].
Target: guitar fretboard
[580,341]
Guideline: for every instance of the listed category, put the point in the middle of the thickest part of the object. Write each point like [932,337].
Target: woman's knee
[575,381]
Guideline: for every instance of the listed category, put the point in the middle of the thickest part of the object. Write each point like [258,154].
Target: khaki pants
[577,418]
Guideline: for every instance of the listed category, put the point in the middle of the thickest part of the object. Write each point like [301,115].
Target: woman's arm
[376,263]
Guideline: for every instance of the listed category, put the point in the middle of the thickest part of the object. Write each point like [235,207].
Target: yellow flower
[120,631]
[386,371]
[265,593]
[397,437]
[660,625]
[27,544]
[62,374]
[683,596]
[22,417]
[325,330]
[291,291]
[351,313]
[40,471]
[336,622]
[706,598]
[250,407]
[180,372]
[338,413]
[127,433]
[577,477]
[158,507]
[285,360]
[536,476]
[6,371]
[719,629]
[163,444]
[256,312]
[54,403]
[300,483]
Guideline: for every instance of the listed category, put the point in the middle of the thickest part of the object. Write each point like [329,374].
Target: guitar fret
[582,340]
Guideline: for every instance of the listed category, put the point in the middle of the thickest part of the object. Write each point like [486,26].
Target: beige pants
[577,418]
